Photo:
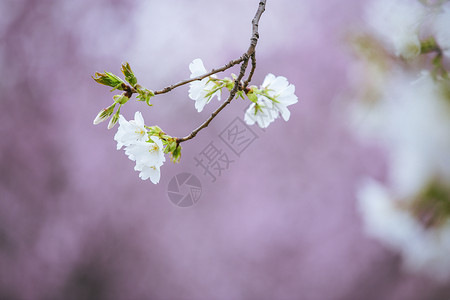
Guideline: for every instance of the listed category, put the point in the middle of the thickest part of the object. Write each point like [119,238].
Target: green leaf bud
[128,73]
[121,99]
[240,94]
[144,95]
[108,79]
[176,154]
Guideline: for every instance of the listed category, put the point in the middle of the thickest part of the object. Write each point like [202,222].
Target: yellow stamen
[153,148]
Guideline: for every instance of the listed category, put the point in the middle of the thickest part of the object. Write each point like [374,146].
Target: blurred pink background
[76,222]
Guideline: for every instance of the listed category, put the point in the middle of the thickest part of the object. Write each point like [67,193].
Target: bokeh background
[76,222]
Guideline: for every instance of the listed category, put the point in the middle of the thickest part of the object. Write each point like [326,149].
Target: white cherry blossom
[149,157]
[199,89]
[147,153]
[130,132]
[149,172]
[279,88]
[274,97]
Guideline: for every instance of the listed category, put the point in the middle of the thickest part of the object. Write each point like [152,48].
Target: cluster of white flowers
[412,122]
[409,115]
[146,145]
[146,151]
[269,101]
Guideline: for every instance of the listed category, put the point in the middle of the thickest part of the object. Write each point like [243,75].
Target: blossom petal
[268,80]
[197,68]
[139,118]
[279,84]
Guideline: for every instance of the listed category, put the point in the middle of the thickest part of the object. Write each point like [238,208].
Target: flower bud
[114,119]
[409,49]
[104,114]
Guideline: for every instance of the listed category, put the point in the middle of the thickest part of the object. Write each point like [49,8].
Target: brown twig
[214,71]
[252,71]
[244,59]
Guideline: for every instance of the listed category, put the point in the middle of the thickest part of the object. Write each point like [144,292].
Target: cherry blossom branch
[131,90]
[214,71]
[217,111]
[147,145]
[244,59]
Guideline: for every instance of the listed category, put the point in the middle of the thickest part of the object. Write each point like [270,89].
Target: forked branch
[250,53]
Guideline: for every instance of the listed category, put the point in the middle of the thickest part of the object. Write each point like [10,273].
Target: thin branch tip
[249,54]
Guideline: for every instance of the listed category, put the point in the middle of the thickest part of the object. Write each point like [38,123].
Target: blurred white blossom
[406,110]
[396,22]
[413,121]
[423,249]
[441,25]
